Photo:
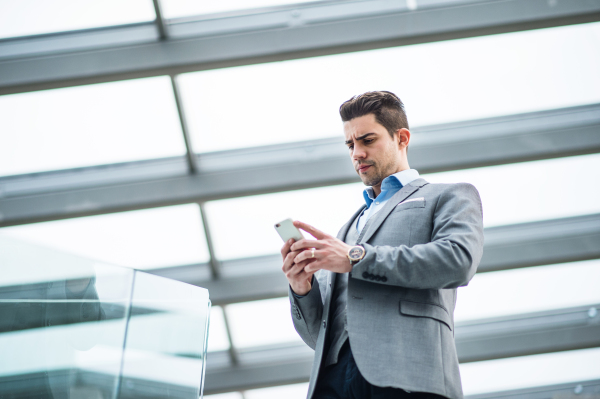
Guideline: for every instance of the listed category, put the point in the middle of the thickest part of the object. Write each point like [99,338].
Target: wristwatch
[355,254]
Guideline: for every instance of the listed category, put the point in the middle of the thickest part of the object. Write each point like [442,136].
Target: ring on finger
[312,253]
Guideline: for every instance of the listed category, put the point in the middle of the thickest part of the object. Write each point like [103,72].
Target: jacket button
[324,324]
[366,275]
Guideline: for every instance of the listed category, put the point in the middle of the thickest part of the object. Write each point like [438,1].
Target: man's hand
[329,252]
[298,277]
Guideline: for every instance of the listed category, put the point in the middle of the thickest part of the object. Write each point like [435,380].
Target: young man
[377,302]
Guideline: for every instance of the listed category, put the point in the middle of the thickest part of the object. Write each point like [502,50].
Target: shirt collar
[392,183]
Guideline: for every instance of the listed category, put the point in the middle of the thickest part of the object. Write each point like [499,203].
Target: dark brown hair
[386,106]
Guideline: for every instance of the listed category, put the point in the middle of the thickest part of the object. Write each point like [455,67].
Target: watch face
[355,253]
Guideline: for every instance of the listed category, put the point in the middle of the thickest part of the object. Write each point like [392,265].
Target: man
[377,302]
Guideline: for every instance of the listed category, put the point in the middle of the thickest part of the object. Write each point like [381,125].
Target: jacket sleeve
[306,313]
[449,260]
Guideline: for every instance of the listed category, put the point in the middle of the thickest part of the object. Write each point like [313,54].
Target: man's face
[374,153]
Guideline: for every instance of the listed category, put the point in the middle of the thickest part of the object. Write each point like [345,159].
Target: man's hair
[386,106]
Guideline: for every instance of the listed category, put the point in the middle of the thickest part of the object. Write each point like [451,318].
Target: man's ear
[403,137]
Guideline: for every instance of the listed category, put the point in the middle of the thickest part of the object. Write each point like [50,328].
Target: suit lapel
[344,230]
[331,276]
[374,223]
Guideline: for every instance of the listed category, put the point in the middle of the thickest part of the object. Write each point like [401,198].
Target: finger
[288,261]
[318,234]
[304,243]
[286,247]
[313,267]
[306,255]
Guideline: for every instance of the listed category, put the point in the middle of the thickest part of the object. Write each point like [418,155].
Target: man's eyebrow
[364,136]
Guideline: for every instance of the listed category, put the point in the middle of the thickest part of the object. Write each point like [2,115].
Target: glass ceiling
[528,290]
[553,188]
[439,82]
[530,371]
[34,17]
[483,377]
[151,238]
[89,125]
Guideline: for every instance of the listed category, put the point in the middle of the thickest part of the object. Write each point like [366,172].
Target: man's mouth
[363,168]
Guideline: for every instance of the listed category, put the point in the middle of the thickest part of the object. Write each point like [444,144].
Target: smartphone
[287,230]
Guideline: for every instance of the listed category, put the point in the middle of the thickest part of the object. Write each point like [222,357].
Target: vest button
[366,275]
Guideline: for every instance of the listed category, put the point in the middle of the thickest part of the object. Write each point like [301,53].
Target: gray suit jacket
[424,243]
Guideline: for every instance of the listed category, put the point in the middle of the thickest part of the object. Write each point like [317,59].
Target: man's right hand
[299,279]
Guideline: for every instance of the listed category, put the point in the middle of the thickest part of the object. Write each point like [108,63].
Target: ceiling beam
[520,335]
[137,185]
[507,247]
[303,31]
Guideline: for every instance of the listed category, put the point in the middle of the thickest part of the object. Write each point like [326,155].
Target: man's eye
[350,147]
[367,141]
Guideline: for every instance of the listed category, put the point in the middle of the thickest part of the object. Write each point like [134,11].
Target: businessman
[377,302]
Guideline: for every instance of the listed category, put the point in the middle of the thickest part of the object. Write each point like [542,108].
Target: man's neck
[377,188]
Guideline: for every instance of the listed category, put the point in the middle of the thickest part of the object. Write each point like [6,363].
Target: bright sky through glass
[527,290]
[217,334]
[439,82]
[260,323]
[89,125]
[530,191]
[513,193]
[33,17]
[530,371]
[292,391]
[158,237]
[185,8]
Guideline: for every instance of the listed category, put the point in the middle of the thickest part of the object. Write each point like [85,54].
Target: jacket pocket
[410,204]
[420,309]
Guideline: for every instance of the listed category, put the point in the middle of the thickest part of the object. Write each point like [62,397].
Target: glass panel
[89,125]
[150,238]
[166,344]
[183,8]
[217,337]
[33,17]
[294,391]
[529,290]
[530,371]
[256,216]
[299,99]
[530,191]
[76,328]
[258,323]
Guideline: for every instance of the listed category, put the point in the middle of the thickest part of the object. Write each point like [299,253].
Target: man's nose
[358,153]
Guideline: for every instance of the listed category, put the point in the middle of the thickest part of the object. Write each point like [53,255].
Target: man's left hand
[329,252]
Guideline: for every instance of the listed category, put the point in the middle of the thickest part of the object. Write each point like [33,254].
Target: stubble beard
[379,171]
[374,179]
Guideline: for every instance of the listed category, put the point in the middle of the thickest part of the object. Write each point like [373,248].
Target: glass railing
[74,328]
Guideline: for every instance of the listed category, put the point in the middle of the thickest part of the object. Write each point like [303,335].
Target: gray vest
[338,333]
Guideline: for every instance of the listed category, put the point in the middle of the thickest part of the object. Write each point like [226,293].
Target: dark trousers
[343,380]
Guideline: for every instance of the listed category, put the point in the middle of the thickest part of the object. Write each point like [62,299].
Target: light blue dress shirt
[389,186]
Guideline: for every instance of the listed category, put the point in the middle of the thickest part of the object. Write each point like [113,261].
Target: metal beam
[160,22]
[506,247]
[529,334]
[541,243]
[521,335]
[303,31]
[111,188]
